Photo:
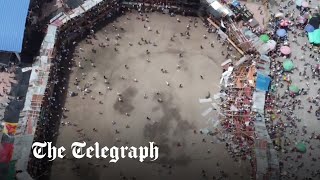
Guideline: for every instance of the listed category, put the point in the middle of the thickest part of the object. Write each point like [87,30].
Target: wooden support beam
[230,41]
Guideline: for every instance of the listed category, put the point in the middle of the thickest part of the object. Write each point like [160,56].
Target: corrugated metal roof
[74,3]
[13,14]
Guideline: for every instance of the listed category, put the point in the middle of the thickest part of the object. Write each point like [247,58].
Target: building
[13,15]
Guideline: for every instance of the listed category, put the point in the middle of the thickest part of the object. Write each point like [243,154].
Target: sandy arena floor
[172,121]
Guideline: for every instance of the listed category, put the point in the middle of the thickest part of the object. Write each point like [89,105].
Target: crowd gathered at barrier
[68,35]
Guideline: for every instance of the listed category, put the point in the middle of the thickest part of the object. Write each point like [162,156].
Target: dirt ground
[171,122]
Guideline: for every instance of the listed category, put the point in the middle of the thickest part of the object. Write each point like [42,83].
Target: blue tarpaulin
[13,15]
[263,82]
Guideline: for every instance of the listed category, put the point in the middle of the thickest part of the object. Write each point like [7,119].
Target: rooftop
[13,15]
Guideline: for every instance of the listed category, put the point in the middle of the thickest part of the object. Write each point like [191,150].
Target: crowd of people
[295,111]
[53,104]
[84,27]
[287,104]
[69,34]
[292,104]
